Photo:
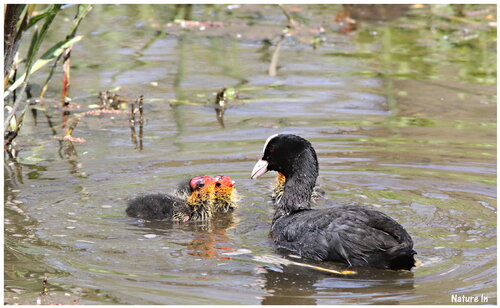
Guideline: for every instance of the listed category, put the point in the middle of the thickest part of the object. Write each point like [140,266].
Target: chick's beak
[259,169]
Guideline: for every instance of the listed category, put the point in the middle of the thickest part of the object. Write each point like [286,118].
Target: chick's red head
[223,181]
[201,182]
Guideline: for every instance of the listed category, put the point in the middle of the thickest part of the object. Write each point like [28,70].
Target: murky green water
[402,114]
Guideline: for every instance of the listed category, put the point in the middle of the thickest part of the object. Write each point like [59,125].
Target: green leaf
[83,10]
[231,93]
[38,38]
[31,49]
[48,56]
[115,89]
[39,17]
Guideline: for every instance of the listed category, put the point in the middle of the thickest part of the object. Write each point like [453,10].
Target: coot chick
[279,187]
[355,235]
[225,194]
[197,205]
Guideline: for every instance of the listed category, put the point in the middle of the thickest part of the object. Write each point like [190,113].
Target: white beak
[259,169]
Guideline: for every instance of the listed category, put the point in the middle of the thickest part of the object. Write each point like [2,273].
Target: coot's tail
[404,260]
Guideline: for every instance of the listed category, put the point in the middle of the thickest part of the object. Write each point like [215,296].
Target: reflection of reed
[137,106]
[65,113]
[179,93]
[375,12]
[177,110]
[218,52]
[49,121]
[273,65]
[220,106]
[13,174]
[67,151]
[186,11]
[141,120]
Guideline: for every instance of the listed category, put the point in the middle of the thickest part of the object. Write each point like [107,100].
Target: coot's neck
[299,184]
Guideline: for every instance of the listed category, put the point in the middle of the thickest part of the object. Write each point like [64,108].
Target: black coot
[318,193]
[354,235]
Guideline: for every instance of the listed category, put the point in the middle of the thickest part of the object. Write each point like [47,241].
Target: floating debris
[85,241]
[105,111]
[220,106]
[201,25]
[221,102]
[110,100]
[237,252]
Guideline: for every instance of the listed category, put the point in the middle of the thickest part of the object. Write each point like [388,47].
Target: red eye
[271,150]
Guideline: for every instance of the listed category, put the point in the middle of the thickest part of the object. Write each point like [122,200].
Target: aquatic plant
[19,19]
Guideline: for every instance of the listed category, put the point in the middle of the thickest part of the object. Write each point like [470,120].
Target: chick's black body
[354,235]
[158,206]
[193,203]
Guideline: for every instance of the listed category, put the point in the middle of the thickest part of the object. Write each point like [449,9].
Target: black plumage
[194,203]
[158,206]
[354,235]
[183,187]
[318,193]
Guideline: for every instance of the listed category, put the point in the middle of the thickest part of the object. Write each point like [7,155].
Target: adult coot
[197,205]
[354,235]
[279,187]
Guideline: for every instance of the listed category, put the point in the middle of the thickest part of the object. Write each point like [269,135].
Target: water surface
[402,114]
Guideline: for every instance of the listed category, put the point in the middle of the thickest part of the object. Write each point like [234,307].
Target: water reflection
[292,285]
[13,175]
[295,285]
[375,12]
[137,107]
[209,237]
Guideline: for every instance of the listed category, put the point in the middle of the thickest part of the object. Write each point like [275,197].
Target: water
[402,114]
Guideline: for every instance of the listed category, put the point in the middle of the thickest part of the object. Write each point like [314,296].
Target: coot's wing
[351,234]
[384,223]
[306,234]
[368,237]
